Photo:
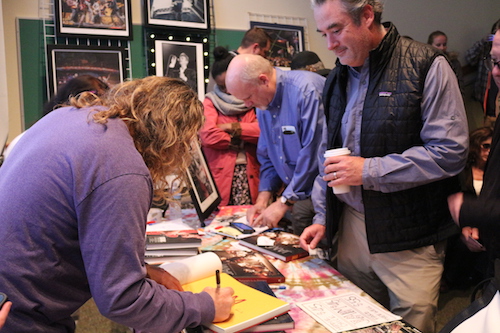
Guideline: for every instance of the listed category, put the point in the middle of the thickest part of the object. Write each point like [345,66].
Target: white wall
[464,21]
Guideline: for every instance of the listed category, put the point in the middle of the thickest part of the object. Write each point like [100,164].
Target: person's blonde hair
[163,115]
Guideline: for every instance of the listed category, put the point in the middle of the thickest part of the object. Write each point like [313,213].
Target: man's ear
[367,16]
[255,48]
[263,80]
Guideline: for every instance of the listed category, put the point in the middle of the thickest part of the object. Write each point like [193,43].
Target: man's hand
[260,204]
[223,301]
[344,170]
[163,277]
[271,216]
[311,236]
[455,202]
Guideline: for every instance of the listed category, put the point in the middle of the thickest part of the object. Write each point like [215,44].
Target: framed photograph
[203,189]
[67,61]
[181,60]
[191,14]
[286,41]
[93,18]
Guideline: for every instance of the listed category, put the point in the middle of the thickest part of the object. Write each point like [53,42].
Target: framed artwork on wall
[286,41]
[191,14]
[181,60]
[93,18]
[203,190]
[67,61]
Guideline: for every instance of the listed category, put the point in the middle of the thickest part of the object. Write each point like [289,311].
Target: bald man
[290,114]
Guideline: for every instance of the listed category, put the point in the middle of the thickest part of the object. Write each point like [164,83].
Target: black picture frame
[203,190]
[177,14]
[169,58]
[67,61]
[93,18]
[286,41]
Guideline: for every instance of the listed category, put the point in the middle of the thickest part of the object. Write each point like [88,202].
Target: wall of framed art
[464,22]
[32,57]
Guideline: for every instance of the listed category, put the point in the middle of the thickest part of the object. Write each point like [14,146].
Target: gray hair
[254,66]
[355,7]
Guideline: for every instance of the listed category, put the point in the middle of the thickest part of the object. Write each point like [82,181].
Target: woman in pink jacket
[229,139]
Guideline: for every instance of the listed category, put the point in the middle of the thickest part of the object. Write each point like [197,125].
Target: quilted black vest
[391,123]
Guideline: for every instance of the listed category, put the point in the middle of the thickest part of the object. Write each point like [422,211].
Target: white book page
[346,312]
[194,268]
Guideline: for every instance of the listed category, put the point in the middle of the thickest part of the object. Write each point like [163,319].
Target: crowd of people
[423,201]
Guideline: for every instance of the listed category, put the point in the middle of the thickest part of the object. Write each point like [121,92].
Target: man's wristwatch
[286,201]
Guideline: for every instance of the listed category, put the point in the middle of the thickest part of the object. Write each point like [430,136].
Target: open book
[251,307]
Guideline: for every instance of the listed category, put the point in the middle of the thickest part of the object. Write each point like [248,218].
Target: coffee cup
[339,189]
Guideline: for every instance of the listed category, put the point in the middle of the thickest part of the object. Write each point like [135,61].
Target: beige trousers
[405,282]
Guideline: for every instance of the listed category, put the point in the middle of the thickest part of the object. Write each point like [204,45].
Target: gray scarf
[226,104]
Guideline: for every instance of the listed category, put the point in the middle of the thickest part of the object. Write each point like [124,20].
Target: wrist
[286,201]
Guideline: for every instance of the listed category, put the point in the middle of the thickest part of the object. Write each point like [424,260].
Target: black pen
[217,279]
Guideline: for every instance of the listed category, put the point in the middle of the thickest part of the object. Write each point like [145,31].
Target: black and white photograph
[203,190]
[93,18]
[181,60]
[68,61]
[286,41]
[177,13]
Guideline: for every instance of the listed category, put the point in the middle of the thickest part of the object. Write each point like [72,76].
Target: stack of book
[164,246]
[278,244]
[256,308]
[249,266]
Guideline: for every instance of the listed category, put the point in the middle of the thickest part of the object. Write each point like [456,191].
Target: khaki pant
[406,282]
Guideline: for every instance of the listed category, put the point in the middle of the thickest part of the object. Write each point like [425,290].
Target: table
[306,279]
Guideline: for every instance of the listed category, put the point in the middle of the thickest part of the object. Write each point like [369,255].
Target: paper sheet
[346,312]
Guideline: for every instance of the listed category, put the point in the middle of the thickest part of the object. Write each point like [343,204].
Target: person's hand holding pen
[223,299]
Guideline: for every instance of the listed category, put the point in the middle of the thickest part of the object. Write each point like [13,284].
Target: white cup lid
[337,152]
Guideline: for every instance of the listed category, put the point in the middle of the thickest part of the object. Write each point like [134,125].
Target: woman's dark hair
[74,87]
[433,35]
[495,27]
[477,137]
[222,59]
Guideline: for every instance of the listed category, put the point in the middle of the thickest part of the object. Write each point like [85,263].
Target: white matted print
[181,60]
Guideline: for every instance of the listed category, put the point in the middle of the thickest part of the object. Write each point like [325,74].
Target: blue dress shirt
[290,134]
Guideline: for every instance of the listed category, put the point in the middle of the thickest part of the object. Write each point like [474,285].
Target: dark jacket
[483,212]
[392,121]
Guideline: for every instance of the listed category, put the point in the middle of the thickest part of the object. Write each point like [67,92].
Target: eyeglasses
[486,146]
[490,63]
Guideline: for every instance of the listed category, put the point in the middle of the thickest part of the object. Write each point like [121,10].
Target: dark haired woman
[466,261]
[229,139]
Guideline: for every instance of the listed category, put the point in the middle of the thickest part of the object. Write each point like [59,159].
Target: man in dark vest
[396,104]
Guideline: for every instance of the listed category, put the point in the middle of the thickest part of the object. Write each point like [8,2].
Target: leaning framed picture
[93,18]
[286,41]
[203,190]
[192,14]
[181,60]
[67,61]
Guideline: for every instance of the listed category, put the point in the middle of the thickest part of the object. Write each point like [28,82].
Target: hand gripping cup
[339,152]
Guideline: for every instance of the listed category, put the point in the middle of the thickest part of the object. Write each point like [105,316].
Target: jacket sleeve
[250,130]
[111,230]
[212,136]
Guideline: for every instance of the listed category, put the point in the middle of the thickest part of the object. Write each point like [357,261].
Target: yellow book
[251,307]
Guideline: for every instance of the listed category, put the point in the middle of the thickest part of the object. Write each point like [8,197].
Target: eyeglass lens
[490,63]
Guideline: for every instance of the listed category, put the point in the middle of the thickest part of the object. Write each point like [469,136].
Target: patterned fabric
[240,192]
[474,57]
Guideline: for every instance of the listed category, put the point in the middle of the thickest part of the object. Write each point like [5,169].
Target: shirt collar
[278,95]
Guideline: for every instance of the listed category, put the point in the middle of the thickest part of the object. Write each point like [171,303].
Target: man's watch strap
[286,201]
